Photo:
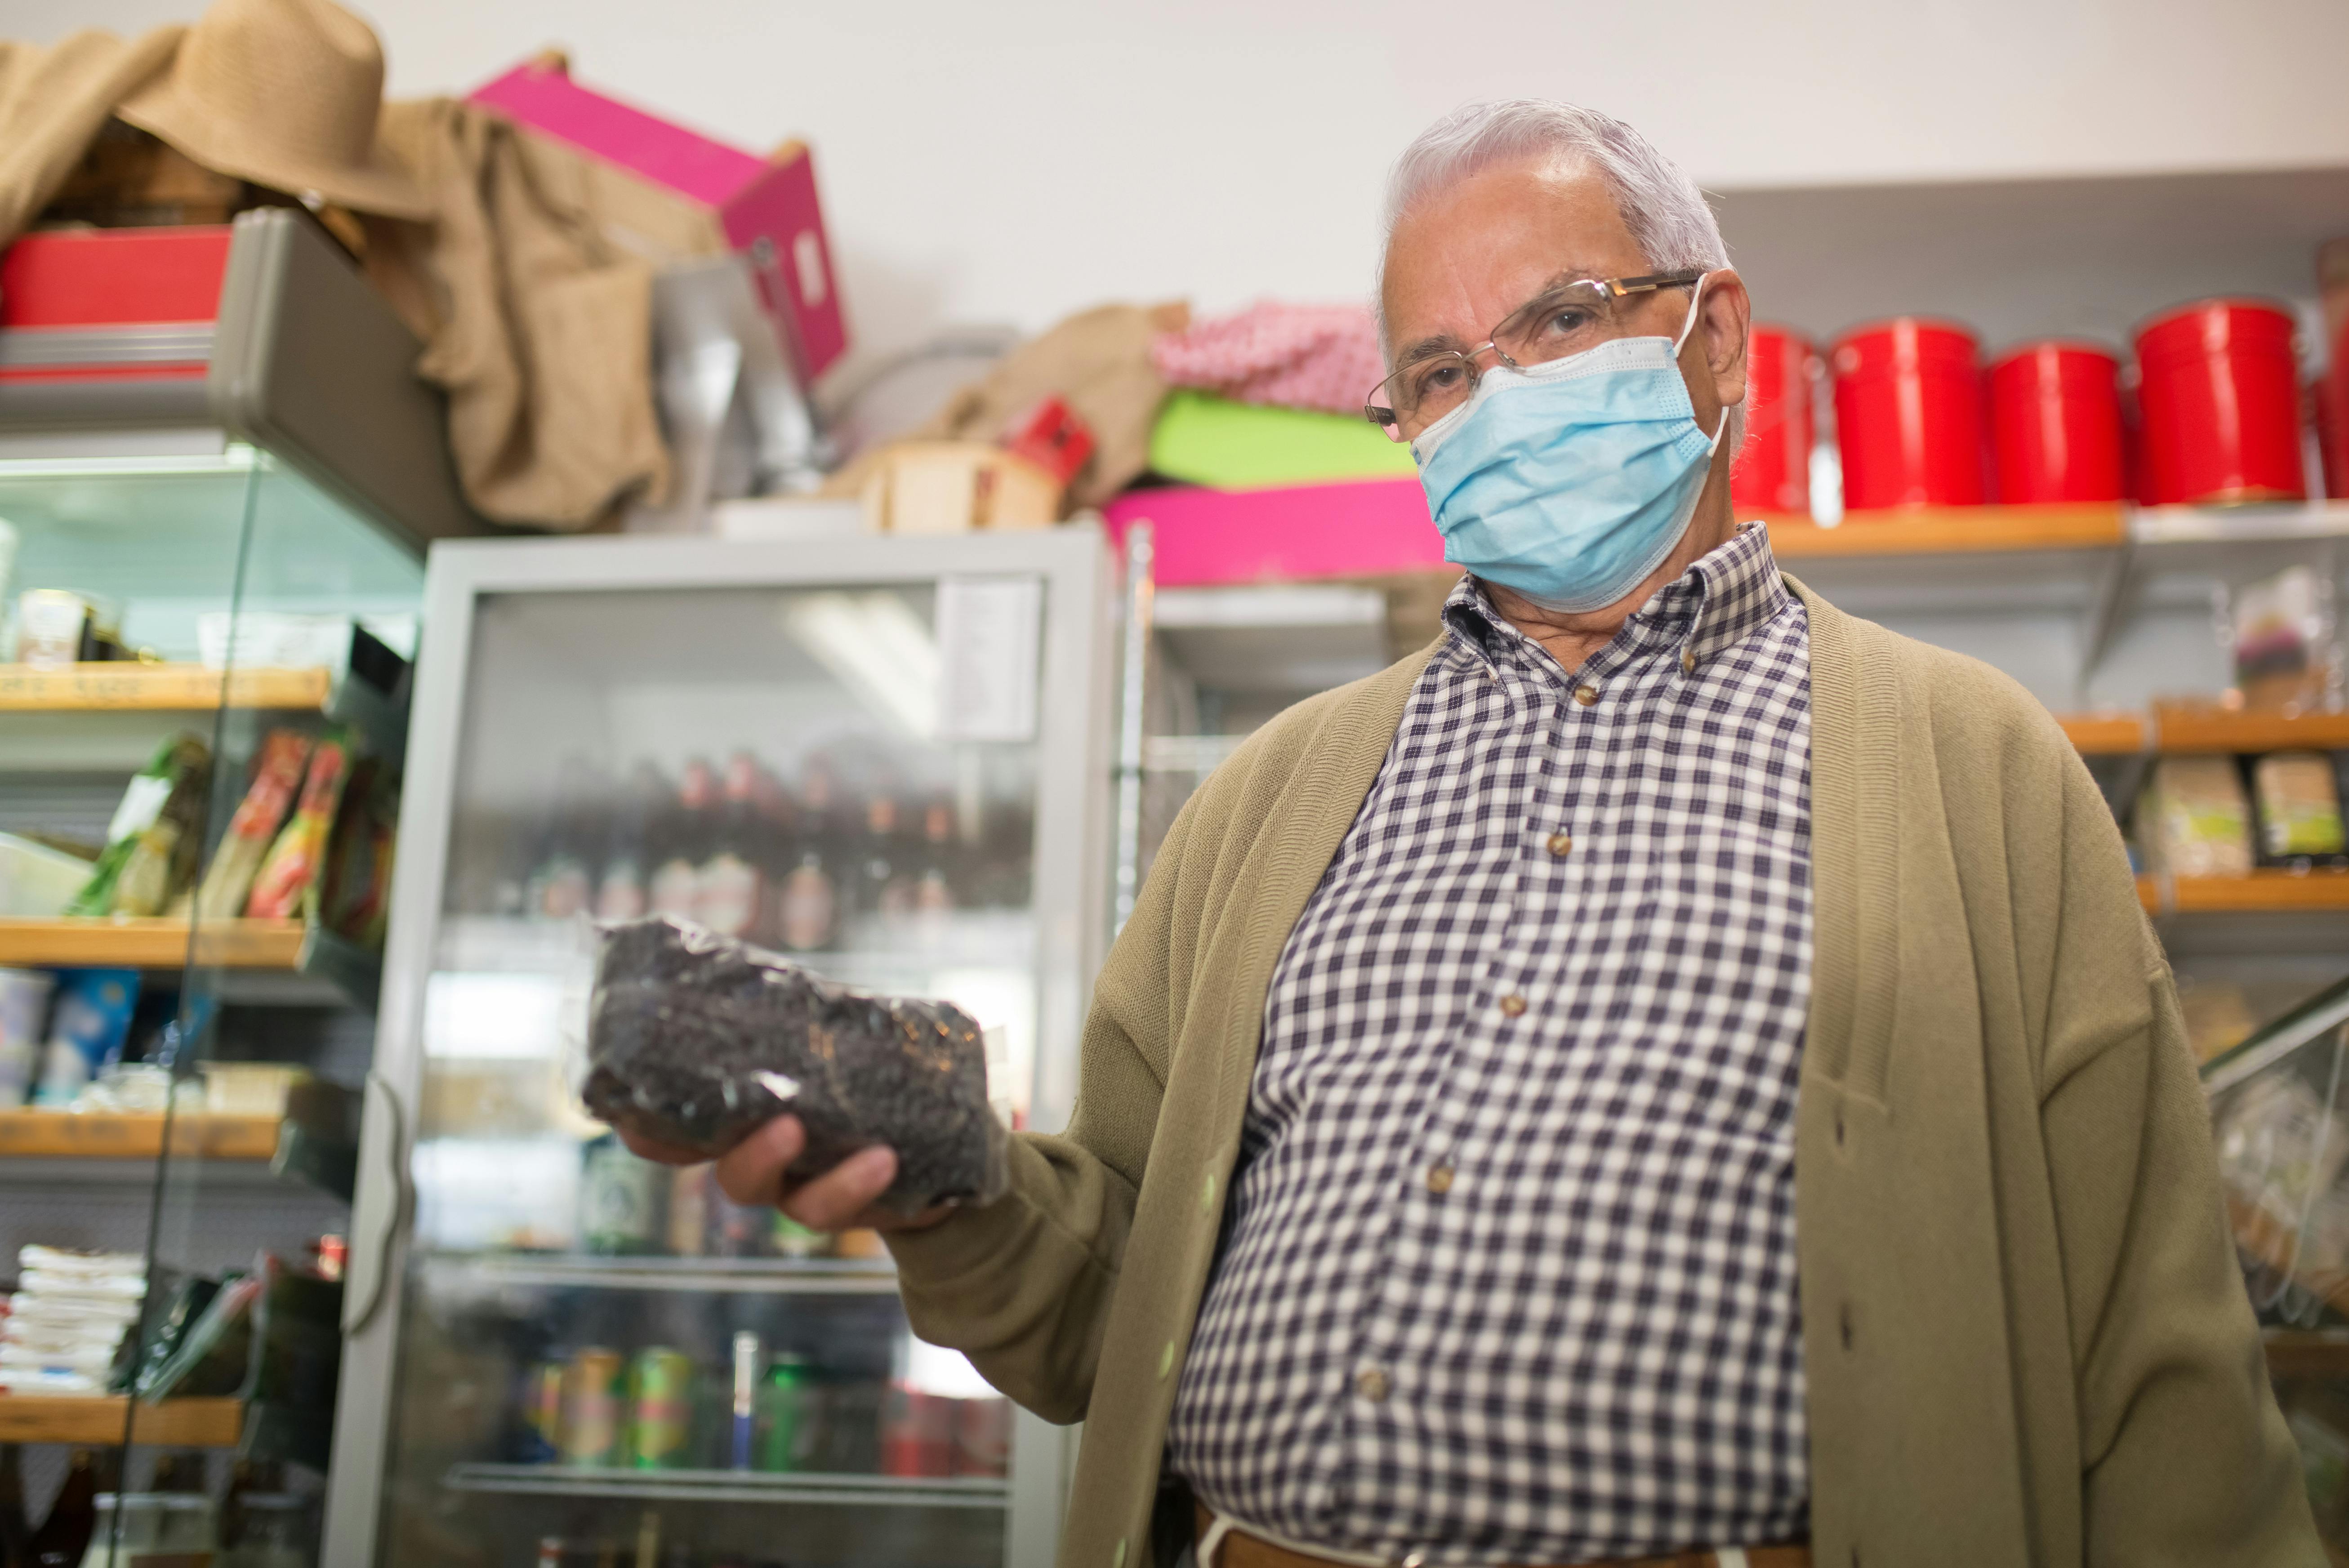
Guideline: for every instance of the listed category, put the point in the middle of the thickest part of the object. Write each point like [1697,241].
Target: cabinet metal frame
[1070,903]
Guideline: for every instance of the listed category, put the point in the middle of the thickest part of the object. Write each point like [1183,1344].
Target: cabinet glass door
[600,1361]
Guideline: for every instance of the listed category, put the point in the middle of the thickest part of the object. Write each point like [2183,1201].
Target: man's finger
[752,1171]
[833,1200]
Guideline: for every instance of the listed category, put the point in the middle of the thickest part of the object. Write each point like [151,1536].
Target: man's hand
[843,1197]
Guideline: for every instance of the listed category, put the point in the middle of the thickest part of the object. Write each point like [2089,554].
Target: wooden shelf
[2275,891]
[2201,727]
[150,944]
[1950,530]
[174,1423]
[159,688]
[2307,1353]
[124,1135]
[2104,734]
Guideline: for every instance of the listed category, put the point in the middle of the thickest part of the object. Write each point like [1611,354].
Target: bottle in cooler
[621,1207]
[917,1432]
[935,894]
[787,1420]
[746,1399]
[808,906]
[689,1194]
[561,881]
[883,889]
[676,886]
[731,896]
[621,889]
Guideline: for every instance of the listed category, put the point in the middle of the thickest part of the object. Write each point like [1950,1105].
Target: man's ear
[1726,319]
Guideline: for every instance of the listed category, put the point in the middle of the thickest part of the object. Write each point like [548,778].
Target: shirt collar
[1726,595]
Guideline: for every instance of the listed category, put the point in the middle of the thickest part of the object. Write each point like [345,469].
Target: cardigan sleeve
[2185,1458]
[1023,1285]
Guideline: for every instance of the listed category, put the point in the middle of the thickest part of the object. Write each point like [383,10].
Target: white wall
[1011,163]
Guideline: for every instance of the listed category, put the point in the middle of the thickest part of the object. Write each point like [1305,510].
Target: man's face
[1462,263]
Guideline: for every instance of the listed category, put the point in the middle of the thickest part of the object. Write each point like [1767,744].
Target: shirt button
[1167,1360]
[1558,843]
[1513,1004]
[1586,695]
[1373,1383]
[1688,661]
[1207,1195]
[1439,1180]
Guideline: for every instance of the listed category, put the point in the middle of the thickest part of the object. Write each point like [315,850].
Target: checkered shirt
[1508,1273]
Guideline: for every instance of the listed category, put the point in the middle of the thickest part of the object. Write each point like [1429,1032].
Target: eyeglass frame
[1616,288]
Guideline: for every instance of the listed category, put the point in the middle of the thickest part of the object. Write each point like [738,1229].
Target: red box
[113,277]
[1773,470]
[2056,424]
[2219,392]
[1908,414]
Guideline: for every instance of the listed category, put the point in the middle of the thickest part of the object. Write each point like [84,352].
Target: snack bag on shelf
[294,862]
[2194,821]
[276,775]
[167,792]
[352,895]
[2281,1149]
[2285,657]
[695,1039]
[2299,803]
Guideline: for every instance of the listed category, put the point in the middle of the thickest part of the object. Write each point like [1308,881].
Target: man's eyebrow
[1445,342]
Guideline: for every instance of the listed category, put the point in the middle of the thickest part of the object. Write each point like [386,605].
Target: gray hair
[1667,215]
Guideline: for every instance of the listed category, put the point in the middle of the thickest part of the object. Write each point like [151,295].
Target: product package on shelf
[156,836]
[276,775]
[2298,797]
[24,1012]
[88,1025]
[286,883]
[2286,658]
[695,1039]
[67,1321]
[2193,820]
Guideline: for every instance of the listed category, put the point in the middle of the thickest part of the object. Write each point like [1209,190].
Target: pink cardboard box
[766,207]
[1295,533]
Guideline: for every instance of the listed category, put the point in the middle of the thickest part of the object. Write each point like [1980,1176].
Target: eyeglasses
[1566,319]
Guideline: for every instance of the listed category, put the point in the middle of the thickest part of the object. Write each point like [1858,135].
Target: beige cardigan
[2025,1335]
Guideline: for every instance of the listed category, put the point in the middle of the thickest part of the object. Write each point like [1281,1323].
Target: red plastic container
[2220,395]
[1908,414]
[1772,470]
[2056,424]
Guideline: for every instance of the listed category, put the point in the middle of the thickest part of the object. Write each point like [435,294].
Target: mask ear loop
[1720,426]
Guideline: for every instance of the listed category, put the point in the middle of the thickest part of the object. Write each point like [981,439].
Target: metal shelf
[732,1486]
[699,1276]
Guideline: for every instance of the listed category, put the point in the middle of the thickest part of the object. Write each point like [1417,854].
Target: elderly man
[1668,1070]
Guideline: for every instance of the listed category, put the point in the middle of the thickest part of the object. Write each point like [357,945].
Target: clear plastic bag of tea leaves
[694,1039]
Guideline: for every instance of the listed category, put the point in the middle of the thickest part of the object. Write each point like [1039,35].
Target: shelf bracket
[2108,598]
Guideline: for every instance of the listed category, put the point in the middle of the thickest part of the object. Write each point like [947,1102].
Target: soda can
[660,1408]
[786,1418]
[590,1408]
[917,1432]
[542,1413]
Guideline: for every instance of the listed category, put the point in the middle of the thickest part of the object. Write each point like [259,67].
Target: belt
[1225,1544]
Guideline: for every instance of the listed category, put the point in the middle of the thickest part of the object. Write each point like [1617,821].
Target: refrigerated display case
[240,503]
[887,758]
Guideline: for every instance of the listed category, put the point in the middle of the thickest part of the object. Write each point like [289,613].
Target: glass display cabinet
[887,758]
[212,542]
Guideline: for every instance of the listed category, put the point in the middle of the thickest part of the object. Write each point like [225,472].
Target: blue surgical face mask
[1571,481]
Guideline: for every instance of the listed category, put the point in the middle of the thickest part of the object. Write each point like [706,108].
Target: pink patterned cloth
[1299,356]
